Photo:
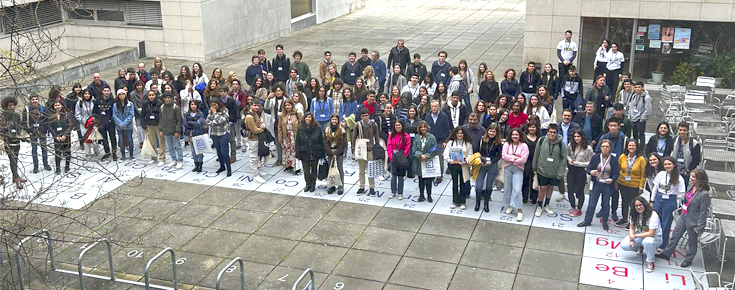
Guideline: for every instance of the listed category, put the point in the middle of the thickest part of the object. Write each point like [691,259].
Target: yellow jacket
[476,162]
[637,173]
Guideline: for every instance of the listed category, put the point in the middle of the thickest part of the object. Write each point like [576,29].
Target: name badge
[322,115]
[614,154]
[680,160]
[412,135]
[12,131]
[103,113]
[602,180]
[665,196]
[530,86]
[627,178]
[280,68]
[455,123]
[550,159]
[684,207]
[35,125]
[395,151]
[59,128]
[442,74]
[152,117]
[352,74]
[635,111]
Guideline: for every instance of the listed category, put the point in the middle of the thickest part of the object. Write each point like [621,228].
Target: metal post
[81,255]
[242,273]
[150,262]
[310,285]
[631,60]
[17,253]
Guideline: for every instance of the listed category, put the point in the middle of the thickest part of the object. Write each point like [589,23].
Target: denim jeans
[231,140]
[174,148]
[396,184]
[649,245]
[221,144]
[485,178]
[665,209]
[196,157]
[35,143]
[513,182]
[599,189]
[109,140]
[122,134]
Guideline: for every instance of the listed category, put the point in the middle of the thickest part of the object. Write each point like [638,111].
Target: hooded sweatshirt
[549,160]
[640,107]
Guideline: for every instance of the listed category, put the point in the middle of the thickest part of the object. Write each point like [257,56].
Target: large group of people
[395,117]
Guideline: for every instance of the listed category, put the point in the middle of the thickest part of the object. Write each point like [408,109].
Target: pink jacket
[508,154]
[399,142]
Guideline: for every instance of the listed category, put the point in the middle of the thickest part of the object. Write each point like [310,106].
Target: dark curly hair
[7,101]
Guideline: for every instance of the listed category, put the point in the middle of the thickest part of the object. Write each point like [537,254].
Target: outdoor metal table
[706,118]
[723,207]
[718,155]
[702,108]
[714,132]
[728,231]
[721,178]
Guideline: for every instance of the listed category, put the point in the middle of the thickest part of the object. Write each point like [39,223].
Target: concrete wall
[546,20]
[329,9]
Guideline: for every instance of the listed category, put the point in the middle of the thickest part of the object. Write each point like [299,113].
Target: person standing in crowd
[417,68]
[255,125]
[322,107]
[198,75]
[84,108]
[143,75]
[687,151]
[639,110]
[335,141]
[155,80]
[653,167]
[234,114]
[194,125]
[274,104]
[364,60]
[457,85]
[170,125]
[503,126]
[413,88]
[481,112]
[475,130]
[617,113]
[604,169]
[579,154]
[567,128]
[351,70]
[644,232]
[218,123]
[396,79]
[302,69]
[457,112]
[625,94]
[281,64]
[517,117]
[399,55]
[693,219]
[566,51]
[515,153]
[288,123]
[253,71]
[98,85]
[310,144]
[532,138]
[424,148]
[137,98]
[591,123]
[105,123]
[571,88]
[457,153]
[661,143]
[430,85]
[440,127]
[265,65]
[10,132]
[151,119]
[398,143]
[530,80]
[614,67]
[379,71]
[616,138]
[371,82]
[632,178]
[490,150]
[549,165]
[122,115]
[60,124]
[668,186]
[510,86]
[368,130]
[70,102]
[489,88]
[536,108]
[600,64]
[600,95]
[550,79]
[440,69]
[34,121]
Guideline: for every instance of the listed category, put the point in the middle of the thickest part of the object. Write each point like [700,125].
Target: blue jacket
[618,143]
[347,109]
[614,168]
[380,69]
[322,110]
[123,118]
[251,73]
[441,74]
[194,124]
[441,128]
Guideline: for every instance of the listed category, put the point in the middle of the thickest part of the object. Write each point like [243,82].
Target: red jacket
[517,121]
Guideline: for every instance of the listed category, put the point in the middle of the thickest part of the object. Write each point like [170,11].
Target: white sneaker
[453,206]
[160,164]
[381,178]
[262,174]
[151,162]
[519,217]
[462,207]
[259,179]
[509,210]
[548,210]
[560,198]
[172,164]
[179,165]
[400,197]
[391,196]
[539,211]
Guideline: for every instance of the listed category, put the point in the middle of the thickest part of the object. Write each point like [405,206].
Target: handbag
[334,179]
[323,169]
[200,143]
[147,150]
[431,168]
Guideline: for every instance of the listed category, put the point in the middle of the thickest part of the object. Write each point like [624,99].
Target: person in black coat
[70,102]
[440,129]
[489,88]
[310,146]
[595,131]
[605,170]
[661,143]
[529,80]
[281,65]
[102,113]
[34,122]
[61,124]
[10,132]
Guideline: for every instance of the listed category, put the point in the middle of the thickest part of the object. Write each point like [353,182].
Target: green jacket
[554,151]
[303,69]
[417,150]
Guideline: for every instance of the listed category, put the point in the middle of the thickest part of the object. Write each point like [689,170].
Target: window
[117,16]
[134,13]
[29,16]
[300,7]
[81,14]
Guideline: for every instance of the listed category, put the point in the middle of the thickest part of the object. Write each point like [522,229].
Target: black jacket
[310,143]
[151,113]
[652,145]
[232,108]
[399,57]
[281,67]
[551,81]
[595,124]
[103,112]
[34,120]
[419,69]
[489,91]
[529,81]
[61,126]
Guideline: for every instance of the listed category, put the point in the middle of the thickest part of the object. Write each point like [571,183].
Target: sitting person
[644,231]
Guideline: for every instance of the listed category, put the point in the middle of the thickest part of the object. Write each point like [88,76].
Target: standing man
[255,125]
[617,113]
[566,51]
[530,80]
[281,65]
[265,65]
[476,131]
[143,75]
[379,68]
[98,85]
[364,60]
[34,120]
[301,67]
[591,124]
[351,70]
[416,67]
[639,110]
[687,151]
[253,71]
[549,163]
[153,81]
[365,129]
[324,65]
[571,89]
[399,55]
[567,127]
[413,88]
[106,125]
[439,127]
[274,104]
[170,125]
[234,115]
[456,111]
[440,69]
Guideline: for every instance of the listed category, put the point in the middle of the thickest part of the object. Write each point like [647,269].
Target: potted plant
[658,74]
[684,74]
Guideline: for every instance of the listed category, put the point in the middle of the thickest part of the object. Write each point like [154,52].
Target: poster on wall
[642,28]
[654,43]
[640,47]
[682,38]
[666,48]
[667,34]
[654,31]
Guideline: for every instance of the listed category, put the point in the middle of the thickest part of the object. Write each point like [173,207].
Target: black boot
[487,193]
[221,169]
[487,206]
[421,197]
[200,166]
[428,197]
[196,167]
[477,204]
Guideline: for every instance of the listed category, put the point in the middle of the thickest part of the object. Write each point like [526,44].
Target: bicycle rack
[310,285]
[173,266]
[18,264]
[81,273]
[242,273]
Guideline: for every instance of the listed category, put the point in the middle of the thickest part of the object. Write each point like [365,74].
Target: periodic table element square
[410,202]
[611,274]
[613,231]
[242,180]
[170,172]
[208,176]
[561,219]
[380,198]
[609,248]
[497,214]
[671,279]
[322,193]
[444,202]
[283,185]
[352,175]
[678,256]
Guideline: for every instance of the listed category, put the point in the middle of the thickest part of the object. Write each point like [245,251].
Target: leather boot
[487,206]
[477,204]
[428,197]
[421,197]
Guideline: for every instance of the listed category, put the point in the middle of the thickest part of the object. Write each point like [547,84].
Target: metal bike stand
[81,273]
[310,285]
[173,266]
[20,245]
[242,273]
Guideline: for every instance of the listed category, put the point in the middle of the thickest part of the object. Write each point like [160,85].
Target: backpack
[463,94]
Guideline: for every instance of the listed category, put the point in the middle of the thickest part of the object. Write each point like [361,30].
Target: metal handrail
[173,266]
[17,253]
[310,285]
[242,273]
[109,258]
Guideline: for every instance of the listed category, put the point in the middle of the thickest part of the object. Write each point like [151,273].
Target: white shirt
[543,116]
[661,184]
[654,222]
[567,49]
[615,60]
[429,88]
[600,55]
[413,90]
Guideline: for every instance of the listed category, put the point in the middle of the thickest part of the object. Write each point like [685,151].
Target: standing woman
[137,97]
[515,154]
[536,108]
[194,126]
[517,117]
[322,108]
[481,112]
[440,94]
[429,84]
[424,107]
[399,143]
[632,177]
[424,148]
[336,95]
[653,167]
[601,58]
[661,143]
[123,114]
[360,90]
[218,121]
[198,74]
[218,77]
[335,142]
[489,89]
[466,73]
[457,153]
[311,90]
[82,113]
[693,217]
[158,65]
[604,169]
[668,186]
[502,103]
[368,76]
[61,125]
[579,155]
[550,79]
[490,151]
[615,60]
[529,192]
[547,101]
[10,131]
[510,85]
[503,126]
[645,232]
[288,124]
[310,144]
[480,76]
[212,91]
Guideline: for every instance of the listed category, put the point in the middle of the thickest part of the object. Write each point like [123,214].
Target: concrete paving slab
[287,227]
[410,221]
[285,277]
[306,207]
[384,241]
[264,250]
[538,263]
[436,248]
[125,230]
[255,273]
[500,233]
[491,256]
[114,204]
[555,241]
[341,282]
[181,191]
[334,233]
[154,209]
[215,242]
[469,277]
[191,268]
[367,265]
[240,220]
[172,235]
[321,258]
[220,197]
[352,213]
[449,226]
[194,214]
[525,282]
[423,274]
[264,202]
